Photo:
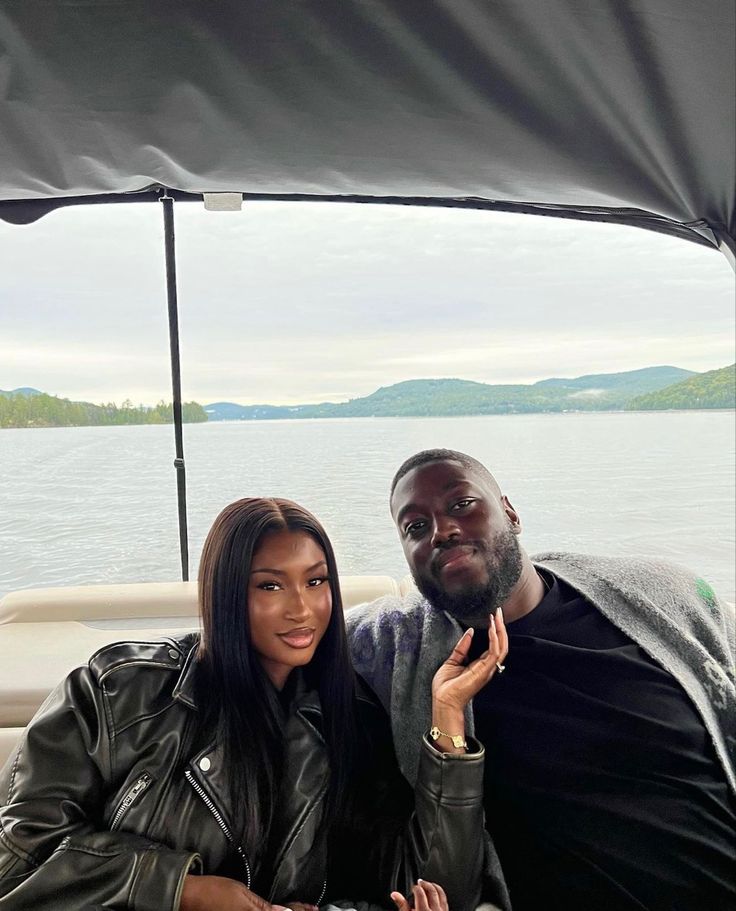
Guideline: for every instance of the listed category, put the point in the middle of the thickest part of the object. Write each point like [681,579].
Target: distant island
[27,407]
[652,388]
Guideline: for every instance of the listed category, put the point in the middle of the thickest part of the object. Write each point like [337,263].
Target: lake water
[98,504]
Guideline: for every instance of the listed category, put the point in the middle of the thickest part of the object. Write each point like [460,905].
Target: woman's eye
[269,586]
[318,580]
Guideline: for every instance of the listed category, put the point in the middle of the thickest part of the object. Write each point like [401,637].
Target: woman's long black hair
[240,701]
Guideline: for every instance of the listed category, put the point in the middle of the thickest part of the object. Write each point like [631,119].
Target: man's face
[459,537]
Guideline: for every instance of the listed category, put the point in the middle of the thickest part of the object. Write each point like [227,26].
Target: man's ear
[512,514]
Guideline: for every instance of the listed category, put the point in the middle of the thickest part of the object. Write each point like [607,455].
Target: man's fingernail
[500,612]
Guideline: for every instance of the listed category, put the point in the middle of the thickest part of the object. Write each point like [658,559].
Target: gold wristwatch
[458,740]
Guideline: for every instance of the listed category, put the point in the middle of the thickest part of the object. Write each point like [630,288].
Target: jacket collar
[185,690]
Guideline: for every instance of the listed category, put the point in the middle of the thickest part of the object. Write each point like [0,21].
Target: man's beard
[473,604]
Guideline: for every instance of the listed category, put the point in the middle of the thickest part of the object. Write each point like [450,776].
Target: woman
[246,770]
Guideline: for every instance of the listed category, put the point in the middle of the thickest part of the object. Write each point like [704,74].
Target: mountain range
[652,388]
[439,397]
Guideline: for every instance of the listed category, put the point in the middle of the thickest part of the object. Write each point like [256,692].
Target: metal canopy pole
[181,487]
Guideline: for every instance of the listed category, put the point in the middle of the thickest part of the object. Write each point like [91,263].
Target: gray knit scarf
[398,644]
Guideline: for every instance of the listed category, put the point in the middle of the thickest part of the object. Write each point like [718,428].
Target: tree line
[41,410]
[714,389]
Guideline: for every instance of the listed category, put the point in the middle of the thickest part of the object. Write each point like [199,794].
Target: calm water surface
[98,504]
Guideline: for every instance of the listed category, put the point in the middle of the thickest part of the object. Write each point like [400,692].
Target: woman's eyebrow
[281,572]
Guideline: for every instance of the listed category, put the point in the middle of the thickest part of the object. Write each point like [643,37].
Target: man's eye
[318,580]
[413,528]
[462,504]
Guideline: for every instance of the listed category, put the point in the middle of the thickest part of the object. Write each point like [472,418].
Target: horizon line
[302,404]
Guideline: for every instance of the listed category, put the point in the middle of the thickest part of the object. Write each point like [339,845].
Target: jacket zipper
[220,822]
[322,894]
[138,788]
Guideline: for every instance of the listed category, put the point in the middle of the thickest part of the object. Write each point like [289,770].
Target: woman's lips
[298,638]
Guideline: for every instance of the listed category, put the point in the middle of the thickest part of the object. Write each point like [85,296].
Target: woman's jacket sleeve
[54,852]
[396,836]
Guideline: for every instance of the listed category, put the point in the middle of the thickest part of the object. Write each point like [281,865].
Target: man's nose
[445,529]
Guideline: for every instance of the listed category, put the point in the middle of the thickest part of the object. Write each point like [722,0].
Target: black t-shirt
[602,790]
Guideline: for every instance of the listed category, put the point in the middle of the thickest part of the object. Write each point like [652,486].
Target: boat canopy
[613,110]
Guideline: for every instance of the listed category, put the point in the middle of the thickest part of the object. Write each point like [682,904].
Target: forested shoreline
[42,410]
[660,388]
[714,389]
[651,388]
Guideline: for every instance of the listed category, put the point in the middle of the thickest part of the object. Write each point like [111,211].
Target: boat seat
[47,632]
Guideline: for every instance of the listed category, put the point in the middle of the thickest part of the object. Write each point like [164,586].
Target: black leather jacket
[109,803]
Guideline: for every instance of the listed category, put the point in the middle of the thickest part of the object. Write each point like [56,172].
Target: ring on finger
[501,667]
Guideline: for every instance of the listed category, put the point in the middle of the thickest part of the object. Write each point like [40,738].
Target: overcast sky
[292,303]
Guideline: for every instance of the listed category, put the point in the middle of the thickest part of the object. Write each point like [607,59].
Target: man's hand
[218,893]
[427,897]
[455,684]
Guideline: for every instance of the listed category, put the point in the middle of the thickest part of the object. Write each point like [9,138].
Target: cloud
[292,303]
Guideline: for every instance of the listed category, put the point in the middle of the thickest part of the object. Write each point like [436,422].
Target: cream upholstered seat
[47,632]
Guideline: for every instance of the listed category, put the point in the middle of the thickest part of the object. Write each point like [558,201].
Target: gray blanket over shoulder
[397,644]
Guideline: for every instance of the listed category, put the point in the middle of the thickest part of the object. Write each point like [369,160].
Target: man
[609,735]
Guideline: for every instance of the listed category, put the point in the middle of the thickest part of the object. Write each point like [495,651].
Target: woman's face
[289,601]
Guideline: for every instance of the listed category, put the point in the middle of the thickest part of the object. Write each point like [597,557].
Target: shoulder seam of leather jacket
[151,653]
[118,656]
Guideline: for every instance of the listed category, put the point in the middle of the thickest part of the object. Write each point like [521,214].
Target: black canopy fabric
[621,110]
